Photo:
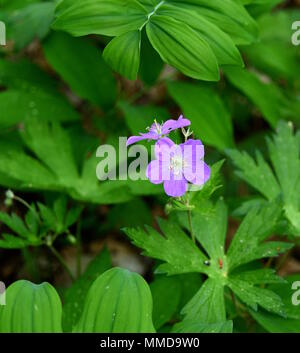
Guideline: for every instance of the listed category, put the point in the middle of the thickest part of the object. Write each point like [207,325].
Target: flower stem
[191,226]
[62,261]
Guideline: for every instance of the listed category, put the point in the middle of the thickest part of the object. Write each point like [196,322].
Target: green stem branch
[62,261]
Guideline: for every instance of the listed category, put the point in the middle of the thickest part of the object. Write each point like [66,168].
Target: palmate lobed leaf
[193,36]
[284,181]
[53,166]
[190,258]
[223,270]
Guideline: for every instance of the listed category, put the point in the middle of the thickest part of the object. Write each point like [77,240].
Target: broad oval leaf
[31,308]
[123,54]
[222,45]
[119,301]
[111,18]
[182,47]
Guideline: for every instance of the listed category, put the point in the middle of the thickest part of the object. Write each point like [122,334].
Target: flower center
[177,164]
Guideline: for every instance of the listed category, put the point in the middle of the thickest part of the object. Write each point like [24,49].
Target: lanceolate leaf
[119,301]
[123,54]
[31,308]
[111,18]
[220,42]
[180,46]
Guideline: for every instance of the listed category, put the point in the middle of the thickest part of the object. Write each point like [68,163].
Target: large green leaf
[119,301]
[31,308]
[180,255]
[180,46]
[220,42]
[193,36]
[80,64]
[123,54]
[111,18]
[210,119]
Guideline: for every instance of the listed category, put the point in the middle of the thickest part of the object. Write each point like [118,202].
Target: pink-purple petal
[175,188]
[163,148]
[154,172]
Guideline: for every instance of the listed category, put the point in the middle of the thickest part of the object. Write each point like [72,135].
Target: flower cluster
[176,166]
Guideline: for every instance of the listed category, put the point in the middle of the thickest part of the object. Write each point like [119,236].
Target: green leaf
[74,297]
[210,119]
[284,154]
[198,327]
[247,244]
[112,18]
[268,97]
[17,106]
[276,324]
[210,227]
[189,259]
[273,323]
[190,35]
[25,76]
[119,301]
[51,144]
[31,308]
[253,296]
[80,64]
[123,54]
[220,42]
[29,22]
[151,64]
[208,305]
[229,15]
[182,47]
[256,173]
[166,294]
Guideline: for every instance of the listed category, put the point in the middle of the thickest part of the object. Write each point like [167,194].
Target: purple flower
[157,131]
[178,165]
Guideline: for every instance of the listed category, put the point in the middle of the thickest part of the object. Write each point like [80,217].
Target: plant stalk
[62,261]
